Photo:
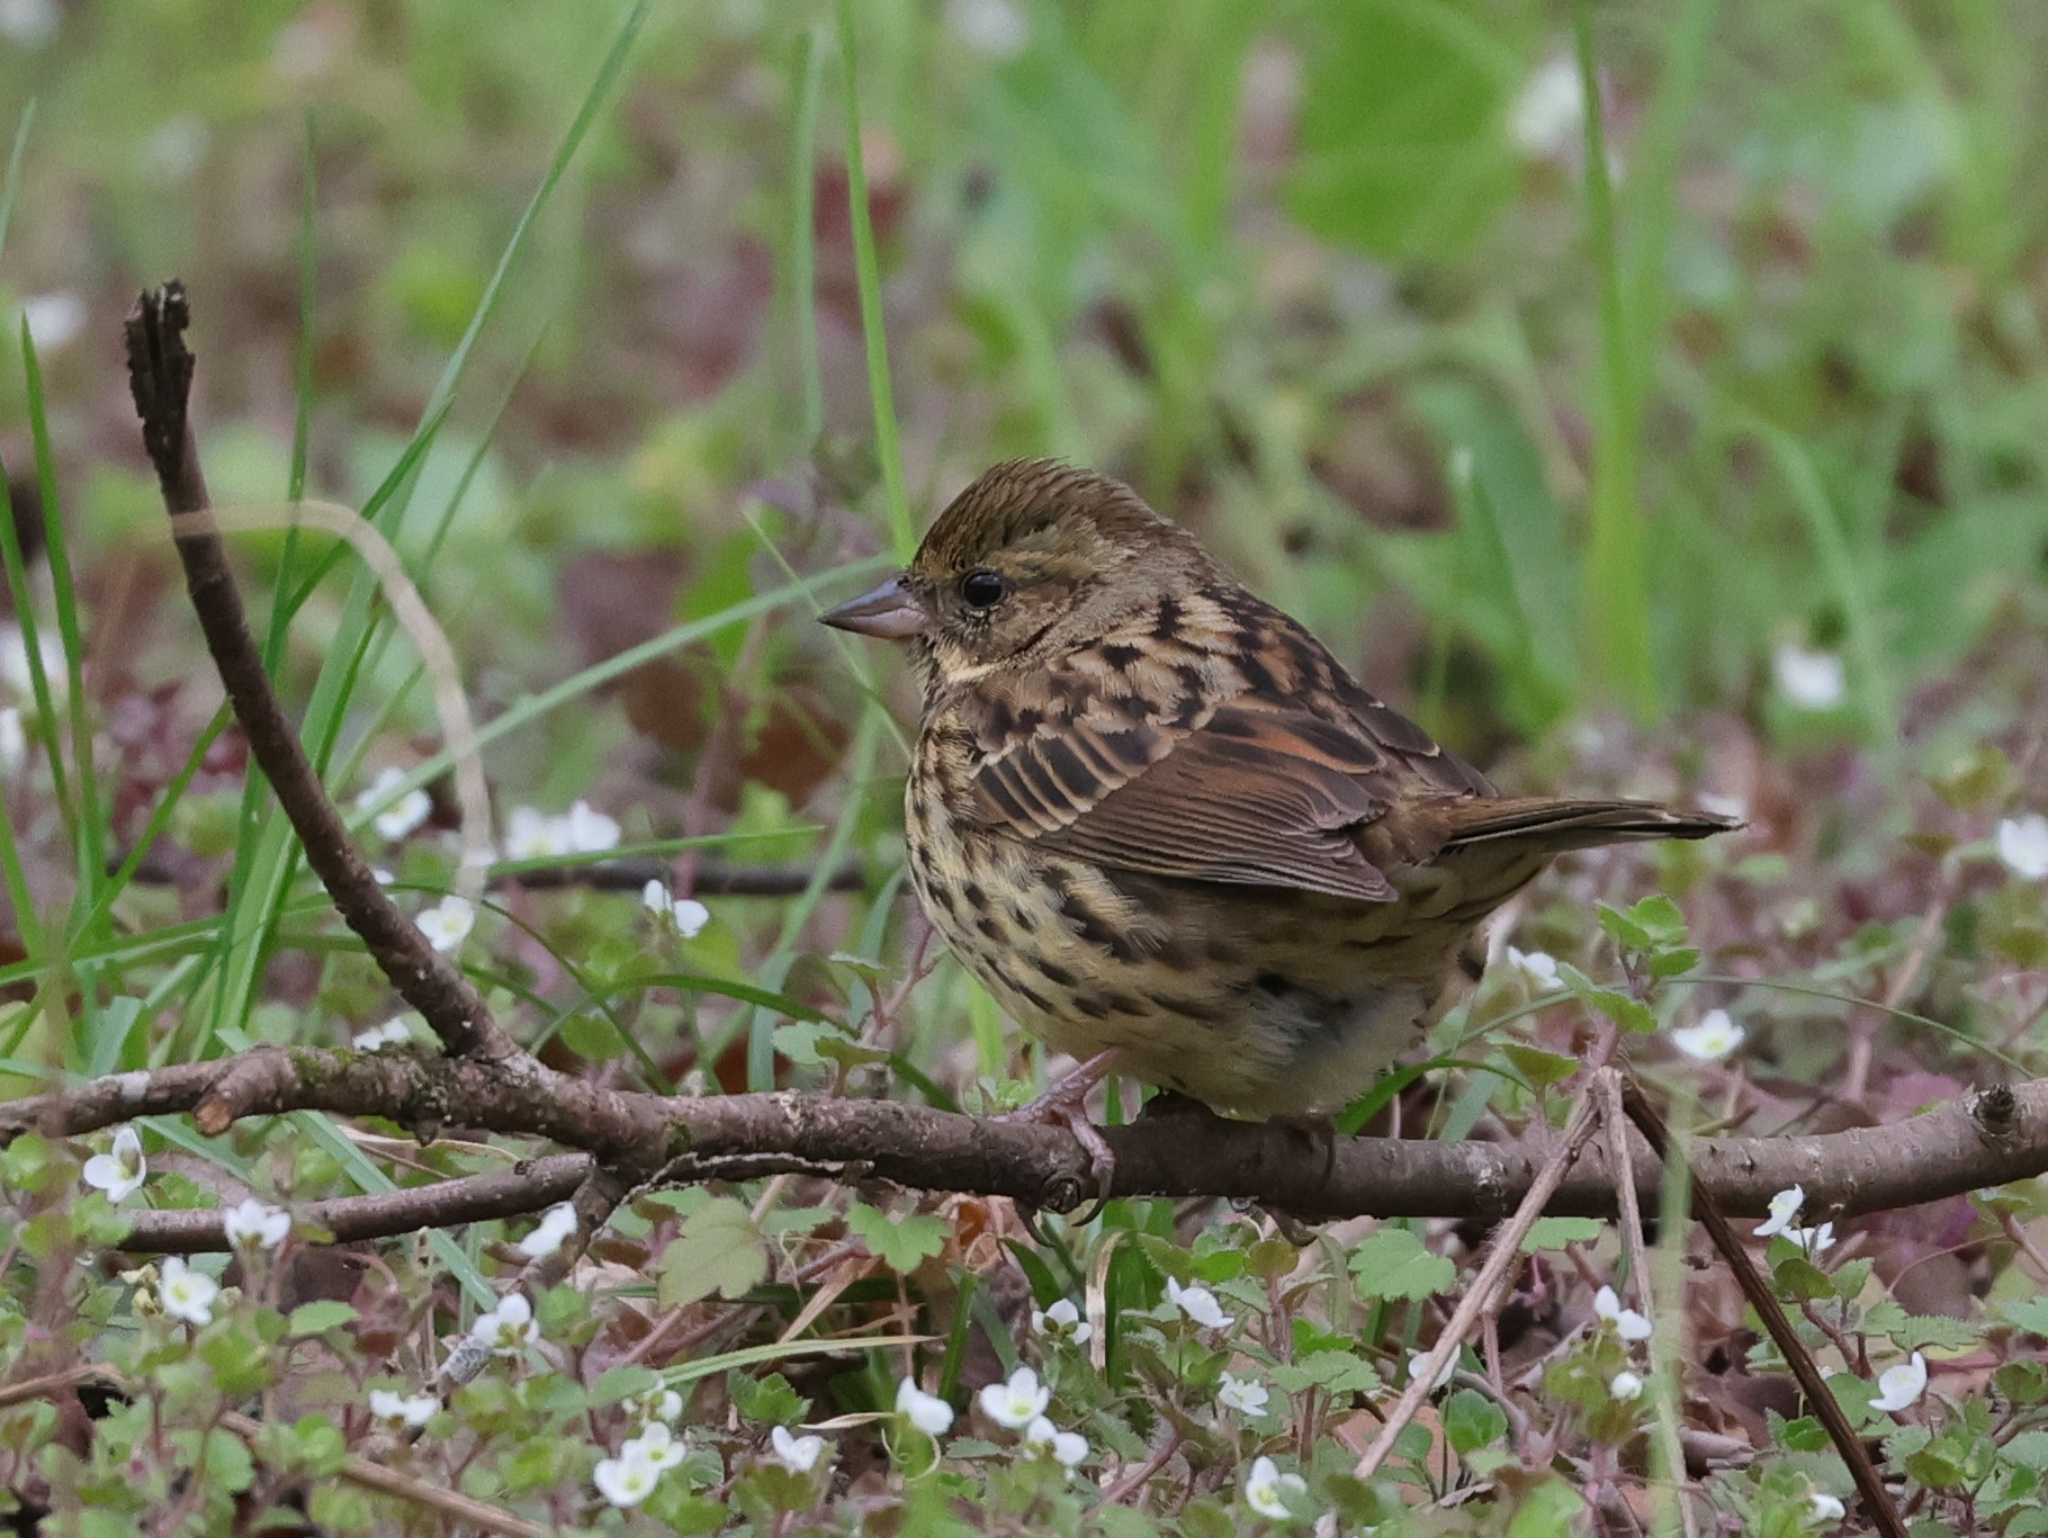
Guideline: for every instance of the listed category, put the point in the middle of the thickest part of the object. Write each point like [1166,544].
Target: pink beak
[890,613]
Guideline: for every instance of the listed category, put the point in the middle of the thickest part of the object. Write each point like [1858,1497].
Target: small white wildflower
[1062,1321]
[408,1410]
[655,1446]
[1263,1488]
[1823,1507]
[1810,680]
[507,1329]
[1712,1039]
[590,831]
[995,28]
[394,1032]
[1545,118]
[173,152]
[797,1454]
[1815,1241]
[119,1173]
[685,915]
[530,834]
[381,876]
[402,816]
[1624,1386]
[657,1404]
[1900,1387]
[1016,1403]
[1199,1304]
[556,1224]
[28,23]
[927,1412]
[2023,845]
[625,1481]
[14,668]
[1784,1209]
[187,1294]
[1628,1324]
[448,923]
[1417,1360]
[1066,1448]
[13,743]
[1540,967]
[256,1224]
[54,320]
[1243,1395]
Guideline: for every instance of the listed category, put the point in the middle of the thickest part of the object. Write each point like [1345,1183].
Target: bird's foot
[1064,1105]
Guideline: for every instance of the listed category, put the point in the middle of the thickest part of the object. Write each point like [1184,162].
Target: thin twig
[1877,1503]
[1507,1247]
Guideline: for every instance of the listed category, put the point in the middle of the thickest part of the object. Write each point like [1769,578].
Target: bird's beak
[890,613]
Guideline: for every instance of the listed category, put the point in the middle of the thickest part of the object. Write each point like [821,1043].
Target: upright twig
[1877,1502]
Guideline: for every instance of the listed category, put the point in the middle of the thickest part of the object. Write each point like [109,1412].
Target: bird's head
[1034,560]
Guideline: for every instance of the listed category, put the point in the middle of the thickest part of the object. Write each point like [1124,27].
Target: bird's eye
[983,589]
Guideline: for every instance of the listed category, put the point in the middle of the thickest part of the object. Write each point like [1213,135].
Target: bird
[1168,830]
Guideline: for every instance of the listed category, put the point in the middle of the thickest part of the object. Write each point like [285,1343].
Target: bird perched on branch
[1167,829]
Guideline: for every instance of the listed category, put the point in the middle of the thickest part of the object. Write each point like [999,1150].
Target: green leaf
[1392,1263]
[1629,1013]
[1556,1233]
[1550,1510]
[900,1243]
[1916,1332]
[2029,1450]
[768,1401]
[1473,1421]
[718,1250]
[1338,1372]
[2030,1314]
[1540,1068]
[1800,1280]
[313,1318]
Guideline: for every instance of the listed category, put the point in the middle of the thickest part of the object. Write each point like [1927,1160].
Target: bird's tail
[1552,825]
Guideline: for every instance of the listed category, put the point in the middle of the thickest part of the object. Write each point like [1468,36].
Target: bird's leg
[1065,1105]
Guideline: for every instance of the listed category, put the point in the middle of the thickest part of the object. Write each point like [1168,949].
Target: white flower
[556,1224]
[1712,1039]
[1539,967]
[1062,1321]
[1900,1387]
[625,1481]
[992,27]
[401,816]
[395,1032]
[121,1172]
[1418,1359]
[797,1454]
[1810,680]
[13,743]
[28,23]
[54,320]
[1243,1395]
[1824,1507]
[1628,1324]
[1199,1304]
[1067,1448]
[590,831]
[1016,1403]
[188,1295]
[1784,1208]
[657,1404]
[530,834]
[173,152]
[1544,120]
[447,924]
[254,1223]
[685,915]
[2023,845]
[927,1412]
[402,1409]
[14,669]
[656,1446]
[1625,1386]
[507,1329]
[1263,1487]
[381,876]
[1815,1241]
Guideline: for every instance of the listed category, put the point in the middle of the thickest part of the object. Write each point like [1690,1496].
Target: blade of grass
[806,71]
[888,449]
[45,726]
[14,156]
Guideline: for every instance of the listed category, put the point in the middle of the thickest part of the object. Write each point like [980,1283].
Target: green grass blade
[888,447]
[806,71]
[14,157]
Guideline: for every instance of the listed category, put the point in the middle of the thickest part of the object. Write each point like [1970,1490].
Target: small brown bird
[1166,828]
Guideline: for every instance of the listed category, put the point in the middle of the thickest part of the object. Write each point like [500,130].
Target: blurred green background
[1753,421]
